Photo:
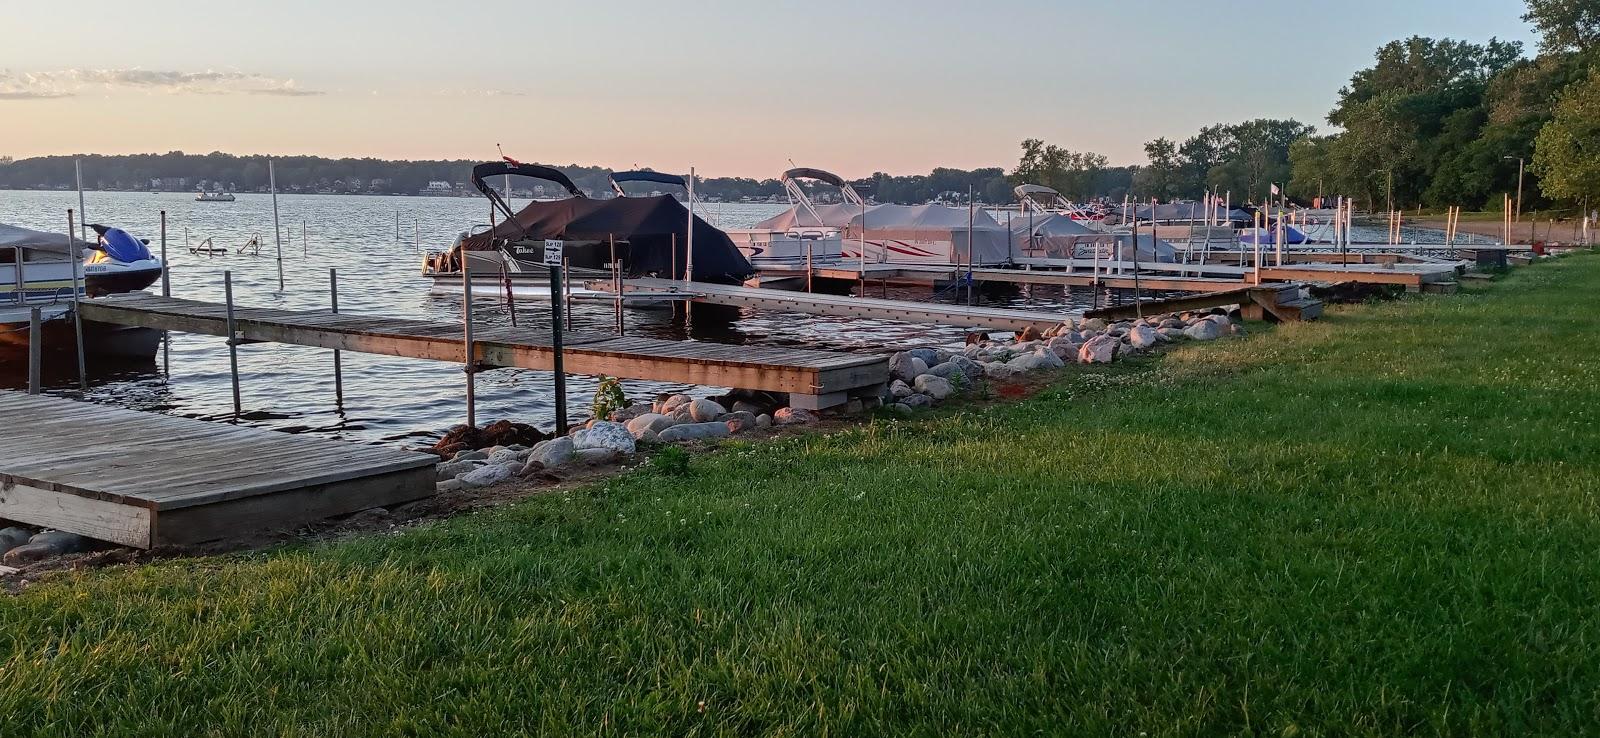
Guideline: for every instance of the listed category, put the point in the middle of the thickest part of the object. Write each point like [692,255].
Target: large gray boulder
[604,434]
[551,454]
[999,370]
[739,422]
[900,366]
[13,537]
[1093,324]
[918,401]
[1036,360]
[595,456]
[1203,330]
[1142,337]
[488,474]
[934,386]
[693,432]
[927,355]
[507,455]
[1099,350]
[449,470]
[900,389]
[705,411]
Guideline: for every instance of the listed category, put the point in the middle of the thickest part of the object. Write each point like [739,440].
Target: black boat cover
[645,229]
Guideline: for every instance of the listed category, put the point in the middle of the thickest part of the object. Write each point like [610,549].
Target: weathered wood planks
[795,371]
[141,478]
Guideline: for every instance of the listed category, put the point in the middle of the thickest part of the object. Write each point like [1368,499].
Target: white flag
[1275,190]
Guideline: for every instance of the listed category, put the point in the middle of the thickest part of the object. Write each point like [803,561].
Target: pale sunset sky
[733,88]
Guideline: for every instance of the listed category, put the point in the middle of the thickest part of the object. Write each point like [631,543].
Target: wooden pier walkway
[1150,279]
[812,378]
[816,303]
[140,479]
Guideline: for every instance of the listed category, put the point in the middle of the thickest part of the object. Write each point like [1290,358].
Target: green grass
[1382,523]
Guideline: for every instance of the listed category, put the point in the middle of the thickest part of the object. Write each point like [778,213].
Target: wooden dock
[1153,279]
[816,303]
[141,479]
[813,379]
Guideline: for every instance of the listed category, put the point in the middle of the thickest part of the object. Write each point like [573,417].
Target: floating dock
[813,379]
[141,479]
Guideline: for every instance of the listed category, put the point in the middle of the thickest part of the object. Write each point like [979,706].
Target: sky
[731,87]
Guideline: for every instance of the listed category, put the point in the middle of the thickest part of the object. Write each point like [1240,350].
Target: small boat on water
[213,197]
[651,237]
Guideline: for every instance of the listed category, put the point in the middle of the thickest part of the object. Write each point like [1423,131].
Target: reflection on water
[379,267]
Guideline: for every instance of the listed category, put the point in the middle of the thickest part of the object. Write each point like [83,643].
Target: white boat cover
[991,242]
[1054,236]
[15,236]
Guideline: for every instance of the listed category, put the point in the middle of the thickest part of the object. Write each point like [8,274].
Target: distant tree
[1565,25]
[1161,178]
[1567,151]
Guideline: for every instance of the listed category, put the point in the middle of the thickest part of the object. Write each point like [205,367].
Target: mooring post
[233,341]
[338,368]
[468,365]
[808,266]
[166,284]
[616,285]
[566,290]
[305,244]
[75,263]
[35,349]
[397,225]
[277,230]
[555,258]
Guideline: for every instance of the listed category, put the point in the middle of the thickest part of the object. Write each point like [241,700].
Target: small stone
[740,421]
[507,456]
[900,389]
[1099,350]
[630,412]
[763,421]
[665,407]
[604,434]
[900,408]
[934,386]
[944,370]
[1032,361]
[1029,333]
[649,424]
[795,415]
[743,406]
[1170,334]
[999,370]
[694,432]
[450,485]
[1093,324]
[487,475]
[900,366]
[471,456]
[705,411]
[452,469]
[918,401]
[1171,323]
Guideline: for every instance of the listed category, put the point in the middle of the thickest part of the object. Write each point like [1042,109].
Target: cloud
[70,82]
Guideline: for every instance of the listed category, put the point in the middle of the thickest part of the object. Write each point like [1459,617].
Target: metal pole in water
[305,245]
[166,282]
[35,349]
[566,289]
[970,215]
[83,228]
[74,261]
[397,225]
[233,341]
[338,363]
[277,231]
[616,284]
[468,366]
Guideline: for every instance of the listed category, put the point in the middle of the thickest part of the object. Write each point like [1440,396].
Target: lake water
[386,399]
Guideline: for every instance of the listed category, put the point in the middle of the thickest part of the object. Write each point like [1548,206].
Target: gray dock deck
[812,378]
[816,303]
[140,479]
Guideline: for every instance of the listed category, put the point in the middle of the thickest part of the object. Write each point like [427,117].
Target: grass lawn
[1385,522]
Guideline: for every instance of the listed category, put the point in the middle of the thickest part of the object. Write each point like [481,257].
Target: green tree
[1162,178]
[1567,152]
[1565,25]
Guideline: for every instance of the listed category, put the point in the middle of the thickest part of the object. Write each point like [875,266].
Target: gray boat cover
[15,236]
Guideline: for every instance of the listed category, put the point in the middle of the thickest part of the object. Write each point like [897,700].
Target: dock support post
[233,341]
[75,263]
[166,283]
[468,365]
[338,363]
[566,290]
[808,266]
[305,243]
[557,272]
[35,350]
[277,231]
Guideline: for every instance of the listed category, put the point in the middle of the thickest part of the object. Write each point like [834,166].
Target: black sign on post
[553,253]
